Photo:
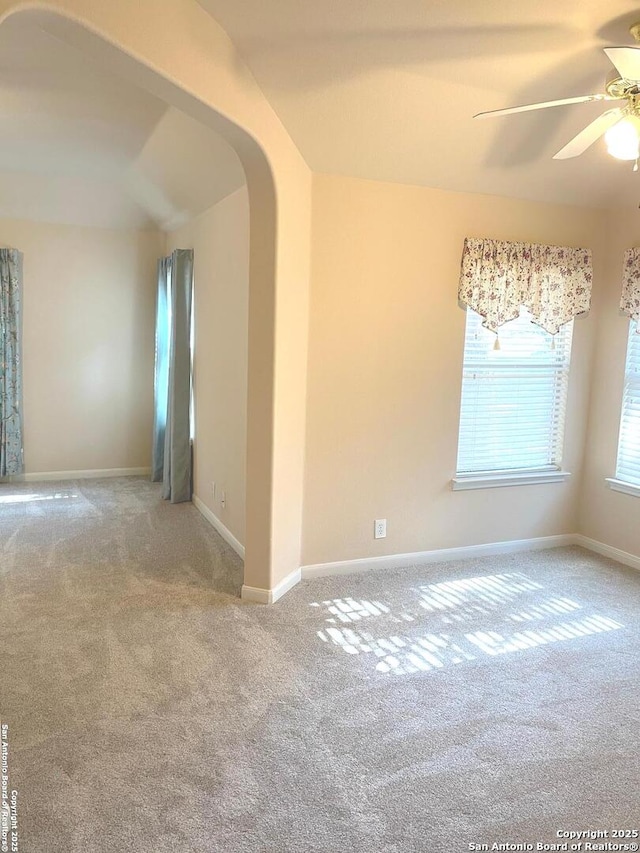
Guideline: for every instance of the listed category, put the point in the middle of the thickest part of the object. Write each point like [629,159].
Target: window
[628,464]
[513,403]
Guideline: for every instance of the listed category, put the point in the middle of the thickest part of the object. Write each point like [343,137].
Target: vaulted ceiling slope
[387,90]
[81,146]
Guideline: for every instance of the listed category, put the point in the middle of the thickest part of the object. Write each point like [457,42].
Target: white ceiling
[386,89]
[381,89]
[82,146]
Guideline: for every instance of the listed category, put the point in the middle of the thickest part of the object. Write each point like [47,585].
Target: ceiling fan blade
[626,61]
[589,135]
[581,99]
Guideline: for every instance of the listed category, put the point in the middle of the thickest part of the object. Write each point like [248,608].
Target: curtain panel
[498,277]
[630,299]
[11,451]
[161,378]
[171,461]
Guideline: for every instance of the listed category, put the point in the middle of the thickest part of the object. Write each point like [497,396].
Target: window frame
[544,474]
[619,482]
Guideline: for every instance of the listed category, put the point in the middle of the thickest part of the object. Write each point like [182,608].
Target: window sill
[492,481]
[621,486]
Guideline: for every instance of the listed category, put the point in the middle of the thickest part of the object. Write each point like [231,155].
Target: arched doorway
[183,56]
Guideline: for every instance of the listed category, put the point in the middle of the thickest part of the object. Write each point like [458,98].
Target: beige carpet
[431,709]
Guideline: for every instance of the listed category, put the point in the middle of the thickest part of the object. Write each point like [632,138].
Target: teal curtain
[171,461]
[161,384]
[11,450]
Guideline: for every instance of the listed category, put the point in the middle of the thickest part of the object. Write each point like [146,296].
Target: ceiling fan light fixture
[623,139]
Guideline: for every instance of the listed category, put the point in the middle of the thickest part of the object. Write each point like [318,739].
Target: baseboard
[215,522]
[249,593]
[270,596]
[616,554]
[440,555]
[42,476]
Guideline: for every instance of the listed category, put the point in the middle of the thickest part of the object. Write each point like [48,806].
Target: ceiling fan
[620,126]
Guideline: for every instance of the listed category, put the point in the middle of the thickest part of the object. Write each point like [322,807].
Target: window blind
[513,398]
[628,465]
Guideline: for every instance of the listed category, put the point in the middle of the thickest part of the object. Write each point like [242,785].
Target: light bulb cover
[623,139]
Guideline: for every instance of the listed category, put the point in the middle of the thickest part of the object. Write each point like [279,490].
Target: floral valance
[498,277]
[630,299]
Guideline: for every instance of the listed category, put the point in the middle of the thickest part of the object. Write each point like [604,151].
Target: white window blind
[513,398]
[628,465]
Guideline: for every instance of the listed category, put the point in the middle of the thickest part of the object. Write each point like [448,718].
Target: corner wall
[220,240]
[88,344]
[607,516]
[385,369]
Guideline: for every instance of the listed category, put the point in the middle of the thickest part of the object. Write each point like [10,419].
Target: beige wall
[385,360]
[220,240]
[88,344]
[605,515]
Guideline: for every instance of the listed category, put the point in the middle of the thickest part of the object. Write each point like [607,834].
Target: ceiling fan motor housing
[617,87]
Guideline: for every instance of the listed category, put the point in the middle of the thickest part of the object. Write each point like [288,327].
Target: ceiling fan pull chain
[496,344]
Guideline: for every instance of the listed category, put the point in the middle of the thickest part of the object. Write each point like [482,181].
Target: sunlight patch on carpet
[21,499]
[447,610]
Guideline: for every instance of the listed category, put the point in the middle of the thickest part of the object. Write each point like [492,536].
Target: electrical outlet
[223,500]
[380,528]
